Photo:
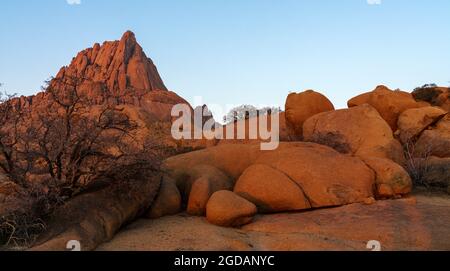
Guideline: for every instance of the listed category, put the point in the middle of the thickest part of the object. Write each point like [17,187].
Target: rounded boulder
[270,190]
[435,141]
[326,177]
[168,201]
[389,103]
[359,130]
[414,121]
[227,209]
[301,106]
[391,179]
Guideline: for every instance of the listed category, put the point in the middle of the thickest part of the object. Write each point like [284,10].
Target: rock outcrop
[116,72]
[359,100]
[413,122]
[296,176]
[168,200]
[391,179]
[116,65]
[231,159]
[359,131]
[436,96]
[227,209]
[271,190]
[302,106]
[198,182]
[435,141]
[96,215]
[389,103]
[201,191]
[326,177]
[418,223]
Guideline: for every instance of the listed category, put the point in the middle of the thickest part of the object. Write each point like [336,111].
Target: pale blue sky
[239,51]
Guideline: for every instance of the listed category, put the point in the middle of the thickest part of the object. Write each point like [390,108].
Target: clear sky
[239,51]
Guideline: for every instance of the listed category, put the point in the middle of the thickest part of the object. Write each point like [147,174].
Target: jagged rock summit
[116,72]
[117,65]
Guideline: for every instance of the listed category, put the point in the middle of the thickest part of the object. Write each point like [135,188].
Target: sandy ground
[420,222]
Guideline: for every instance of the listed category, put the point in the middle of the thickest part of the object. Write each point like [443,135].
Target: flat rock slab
[416,223]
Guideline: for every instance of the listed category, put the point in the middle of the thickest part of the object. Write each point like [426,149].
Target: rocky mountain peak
[115,66]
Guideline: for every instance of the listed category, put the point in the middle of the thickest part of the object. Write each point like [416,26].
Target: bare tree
[69,142]
[9,138]
[243,112]
[57,150]
[74,143]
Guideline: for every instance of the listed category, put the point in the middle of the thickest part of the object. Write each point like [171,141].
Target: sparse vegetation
[427,93]
[19,229]
[416,167]
[246,111]
[431,85]
[426,171]
[53,154]
[335,141]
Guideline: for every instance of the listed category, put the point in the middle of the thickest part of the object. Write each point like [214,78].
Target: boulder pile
[389,103]
[297,176]
[359,131]
[374,150]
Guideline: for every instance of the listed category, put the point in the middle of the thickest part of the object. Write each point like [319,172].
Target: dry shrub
[19,230]
[22,216]
[55,154]
[335,141]
[428,93]
[417,167]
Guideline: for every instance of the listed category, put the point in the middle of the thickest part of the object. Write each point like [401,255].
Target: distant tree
[269,110]
[428,93]
[431,85]
[248,111]
[240,113]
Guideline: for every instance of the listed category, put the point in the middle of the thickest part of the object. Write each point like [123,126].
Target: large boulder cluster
[297,176]
[389,103]
[330,158]
[359,131]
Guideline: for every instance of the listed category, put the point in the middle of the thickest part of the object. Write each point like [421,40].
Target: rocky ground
[419,222]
